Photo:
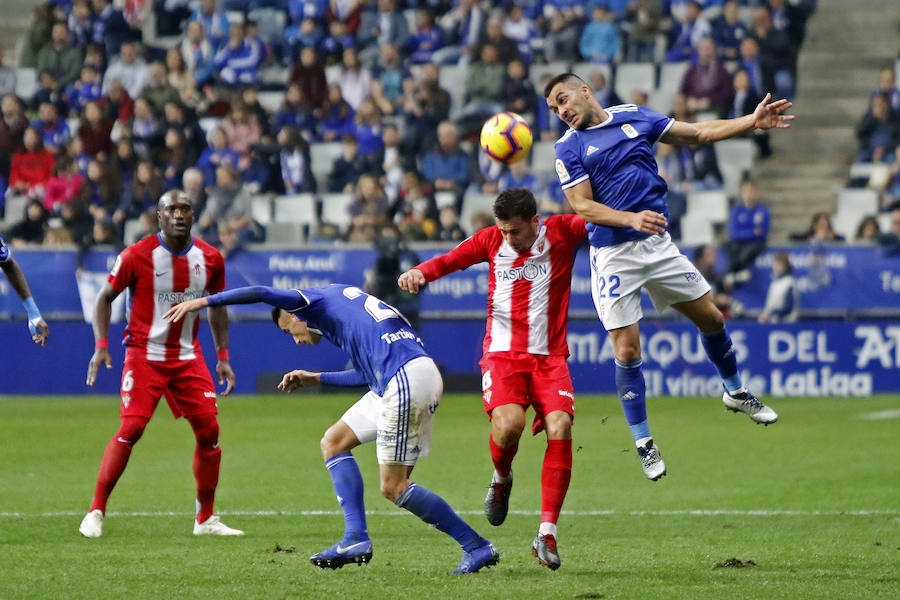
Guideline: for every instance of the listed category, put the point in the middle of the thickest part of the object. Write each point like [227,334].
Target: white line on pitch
[527,513]
[881,415]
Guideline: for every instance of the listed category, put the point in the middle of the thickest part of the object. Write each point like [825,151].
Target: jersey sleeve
[470,251]
[569,166]
[123,272]
[4,250]
[659,124]
[575,229]
[216,281]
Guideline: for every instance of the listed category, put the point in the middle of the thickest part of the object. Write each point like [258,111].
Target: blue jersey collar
[163,244]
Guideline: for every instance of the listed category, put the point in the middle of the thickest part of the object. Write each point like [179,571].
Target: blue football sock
[348,485]
[633,395]
[435,511]
[721,352]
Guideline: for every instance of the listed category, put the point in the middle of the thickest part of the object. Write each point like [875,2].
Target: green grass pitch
[813,501]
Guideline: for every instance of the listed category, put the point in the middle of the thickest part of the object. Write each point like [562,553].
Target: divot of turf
[734,563]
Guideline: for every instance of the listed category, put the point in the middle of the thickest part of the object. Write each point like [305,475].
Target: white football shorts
[400,422]
[619,272]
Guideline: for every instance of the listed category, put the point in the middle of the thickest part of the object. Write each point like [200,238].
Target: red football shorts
[186,384]
[529,380]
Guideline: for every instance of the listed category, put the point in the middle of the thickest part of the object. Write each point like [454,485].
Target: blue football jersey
[617,157]
[378,339]
[4,250]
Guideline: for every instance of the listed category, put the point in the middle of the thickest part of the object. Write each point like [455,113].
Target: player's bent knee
[130,430]
[206,429]
[393,489]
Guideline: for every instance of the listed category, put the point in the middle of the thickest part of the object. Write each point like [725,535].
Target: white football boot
[214,526]
[745,402]
[92,524]
[651,461]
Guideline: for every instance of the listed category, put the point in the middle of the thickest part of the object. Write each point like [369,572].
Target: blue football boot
[353,550]
[482,556]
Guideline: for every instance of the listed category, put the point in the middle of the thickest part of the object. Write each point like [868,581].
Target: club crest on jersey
[629,130]
[540,247]
[561,171]
[197,270]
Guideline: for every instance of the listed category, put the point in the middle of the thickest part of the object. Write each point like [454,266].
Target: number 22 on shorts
[612,281]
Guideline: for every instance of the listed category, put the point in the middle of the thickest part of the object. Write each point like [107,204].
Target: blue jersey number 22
[613,286]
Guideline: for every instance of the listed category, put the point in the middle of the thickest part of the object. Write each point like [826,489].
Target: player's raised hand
[39,331]
[177,312]
[411,281]
[769,115]
[648,221]
[226,375]
[101,357]
[298,379]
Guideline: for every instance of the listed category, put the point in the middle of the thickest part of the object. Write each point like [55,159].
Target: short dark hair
[562,78]
[276,314]
[515,202]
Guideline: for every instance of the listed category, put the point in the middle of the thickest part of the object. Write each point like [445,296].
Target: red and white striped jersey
[158,279]
[528,294]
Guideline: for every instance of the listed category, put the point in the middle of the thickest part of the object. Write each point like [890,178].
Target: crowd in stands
[120,115]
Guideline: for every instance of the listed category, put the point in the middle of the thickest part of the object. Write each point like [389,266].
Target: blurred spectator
[130,69]
[39,34]
[384,26]
[644,17]
[790,17]
[94,58]
[63,186]
[890,240]
[393,258]
[53,130]
[30,230]
[219,154]
[117,104]
[355,79]
[124,163]
[687,33]
[229,243]
[561,40]
[519,176]
[309,34]
[425,106]
[877,132]
[333,45]
[12,130]
[729,31]
[336,116]
[94,131]
[250,98]
[762,78]
[820,231]
[238,61]
[782,298]
[370,201]
[158,91]
[348,12]
[215,24]
[296,112]
[415,212]
[427,38]
[173,158]
[890,197]
[98,194]
[600,40]
[394,162]
[348,167]
[368,134]
[7,77]
[387,85]
[141,197]
[706,84]
[868,231]
[198,54]
[517,92]
[743,103]
[748,229]
[192,184]
[603,92]
[481,220]
[75,151]
[506,47]
[229,203]
[705,259]
[57,236]
[31,168]
[464,25]
[88,88]
[59,57]
[81,29]
[887,86]
[144,129]
[310,75]
[102,234]
[522,30]
[243,130]
[296,172]
[488,171]
[483,82]
[775,51]
[194,138]
[449,230]
[447,167]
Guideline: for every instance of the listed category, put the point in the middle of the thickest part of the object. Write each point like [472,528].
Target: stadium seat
[634,77]
[298,208]
[584,70]
[474,203]
[26,83]
[15,209]
[552,68]
[285,234]
[271,22]
[321,157]
[857,200]
[207,124]
[131,231]
[543,159]
[696,230]
[875,174]
[271,101]
[332,73]
[661,100]
[273,77]
[235,17]
[845,221]
[671,74]
[453,79]
[334,209]
[734,158]
[261,209]
[711,204]
[444,199]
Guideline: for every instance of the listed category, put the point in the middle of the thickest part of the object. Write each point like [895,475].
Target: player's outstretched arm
[36,324]
[412,281]
[581,198]
[298,379]
[177,312]
[102,312]
[768,115]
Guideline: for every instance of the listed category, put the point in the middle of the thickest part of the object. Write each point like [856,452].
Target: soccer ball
[506,138]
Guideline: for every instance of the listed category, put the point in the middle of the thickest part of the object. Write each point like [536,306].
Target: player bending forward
[608,171]
[524,362]
[397,413]
[163,358]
